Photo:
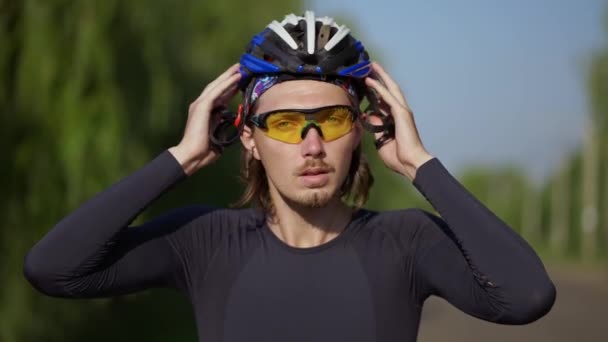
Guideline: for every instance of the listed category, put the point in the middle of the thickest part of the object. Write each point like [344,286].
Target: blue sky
[490,82]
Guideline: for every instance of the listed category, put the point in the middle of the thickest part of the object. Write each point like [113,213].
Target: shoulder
[407,226]
[205,227]
[400,220]
[204,218]
[195,223]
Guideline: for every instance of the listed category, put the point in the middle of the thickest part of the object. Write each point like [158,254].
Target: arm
[473,259]
[93,253]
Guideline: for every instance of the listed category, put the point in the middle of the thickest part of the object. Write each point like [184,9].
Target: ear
[248,141]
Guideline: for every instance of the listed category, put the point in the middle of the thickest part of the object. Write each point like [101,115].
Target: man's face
[311,172]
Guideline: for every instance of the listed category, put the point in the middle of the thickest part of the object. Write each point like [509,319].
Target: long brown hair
[355,188]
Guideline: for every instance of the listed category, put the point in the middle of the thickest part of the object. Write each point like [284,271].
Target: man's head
[309,173]
[303,63]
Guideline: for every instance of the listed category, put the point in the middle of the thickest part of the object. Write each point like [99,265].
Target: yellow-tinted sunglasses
[291,125]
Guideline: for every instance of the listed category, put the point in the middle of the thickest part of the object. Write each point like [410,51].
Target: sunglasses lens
[287,126]
[335,122]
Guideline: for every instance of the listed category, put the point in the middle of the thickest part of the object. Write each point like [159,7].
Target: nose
[312,143]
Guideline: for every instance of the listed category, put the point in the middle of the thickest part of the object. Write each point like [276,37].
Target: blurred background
[511,96]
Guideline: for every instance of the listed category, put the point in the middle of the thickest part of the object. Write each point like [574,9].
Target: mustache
[315,164]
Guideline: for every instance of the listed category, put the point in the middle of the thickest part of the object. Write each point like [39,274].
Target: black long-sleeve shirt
[245,284]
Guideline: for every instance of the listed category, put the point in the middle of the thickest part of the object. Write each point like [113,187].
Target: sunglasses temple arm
[225,115]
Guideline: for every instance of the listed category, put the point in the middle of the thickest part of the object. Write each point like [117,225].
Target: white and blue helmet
[304,45]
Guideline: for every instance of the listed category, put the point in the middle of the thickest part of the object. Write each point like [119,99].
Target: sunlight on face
[287,164]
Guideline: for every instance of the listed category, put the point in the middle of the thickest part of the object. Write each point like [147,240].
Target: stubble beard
[314,199]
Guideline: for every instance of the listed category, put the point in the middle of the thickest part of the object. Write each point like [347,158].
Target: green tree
[598,85]
[597,89]
[90,91]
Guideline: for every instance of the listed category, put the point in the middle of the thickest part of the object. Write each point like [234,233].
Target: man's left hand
[405,153]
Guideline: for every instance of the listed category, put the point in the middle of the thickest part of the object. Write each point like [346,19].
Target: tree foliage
[90,91]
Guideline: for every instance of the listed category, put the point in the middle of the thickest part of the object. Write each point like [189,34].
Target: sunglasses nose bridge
[312,142]
[308,126]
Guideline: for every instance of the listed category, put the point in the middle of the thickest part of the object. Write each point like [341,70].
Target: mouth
[314,172]
[315,177]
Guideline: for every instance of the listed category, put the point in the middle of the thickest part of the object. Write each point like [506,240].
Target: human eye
[335,116]
[284,124]
[335,119]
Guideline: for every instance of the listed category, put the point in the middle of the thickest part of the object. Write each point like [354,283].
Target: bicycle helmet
[302,47]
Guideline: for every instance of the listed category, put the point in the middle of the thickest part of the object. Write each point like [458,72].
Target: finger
[226,74]
[227,95]
[383,137]
[384,93]
[375,121]
[201,110]
[214,94]
[387,96]
[395,106]
[219,95]
[390,83]
[231,90]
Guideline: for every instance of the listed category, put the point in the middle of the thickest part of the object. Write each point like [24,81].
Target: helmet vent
[324,32]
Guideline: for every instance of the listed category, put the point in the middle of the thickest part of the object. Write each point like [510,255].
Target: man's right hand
[195,150]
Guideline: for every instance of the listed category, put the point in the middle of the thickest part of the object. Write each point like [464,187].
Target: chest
[338,294]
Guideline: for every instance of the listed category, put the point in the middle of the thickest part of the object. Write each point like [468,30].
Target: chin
[308,196]
[314,198]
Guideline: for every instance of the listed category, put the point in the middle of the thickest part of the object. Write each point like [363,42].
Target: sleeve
[473,259]
[93,252]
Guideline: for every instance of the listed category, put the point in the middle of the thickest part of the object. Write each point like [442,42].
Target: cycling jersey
[245,284]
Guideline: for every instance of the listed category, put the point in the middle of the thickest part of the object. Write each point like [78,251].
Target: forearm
[81,242]
[508,274]
[188,163]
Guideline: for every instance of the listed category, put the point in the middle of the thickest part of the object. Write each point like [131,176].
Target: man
[302,265]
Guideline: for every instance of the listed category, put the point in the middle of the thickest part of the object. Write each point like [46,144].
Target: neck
[304,227]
